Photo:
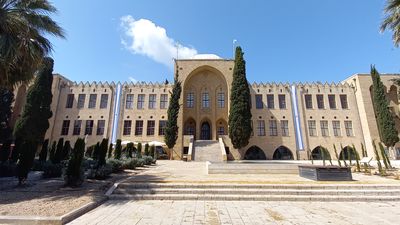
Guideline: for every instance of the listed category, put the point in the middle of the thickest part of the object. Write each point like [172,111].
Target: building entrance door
[205,131]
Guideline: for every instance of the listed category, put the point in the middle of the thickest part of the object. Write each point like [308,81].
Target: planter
[325,173]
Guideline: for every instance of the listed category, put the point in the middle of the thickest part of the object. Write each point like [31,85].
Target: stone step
[337,198]
[248,192]
[142,185]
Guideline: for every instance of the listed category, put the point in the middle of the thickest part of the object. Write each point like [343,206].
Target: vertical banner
[295,111]
[117,104]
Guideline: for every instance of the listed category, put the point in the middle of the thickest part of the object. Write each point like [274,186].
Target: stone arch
[254,153]
[189,127]
[282,153]
[221,127]
[345,153]
[316,153]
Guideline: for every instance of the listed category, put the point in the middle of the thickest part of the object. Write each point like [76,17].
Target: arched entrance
[316,153]
[282,153]
[190,127]
[344,154]
[205,131]
[222,127]
[254,153]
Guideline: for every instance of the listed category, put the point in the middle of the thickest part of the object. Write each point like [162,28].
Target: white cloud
[132,79]
[146,38]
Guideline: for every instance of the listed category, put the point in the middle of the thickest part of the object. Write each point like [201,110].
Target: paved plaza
[241,212]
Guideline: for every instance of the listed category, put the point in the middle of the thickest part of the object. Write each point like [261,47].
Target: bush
[88,163]
[140,162]
[100,173]
[116,165]
[74,174]
[147,160]
[52,170]
[118,149]
[38,165]
[7,169]
[130,164]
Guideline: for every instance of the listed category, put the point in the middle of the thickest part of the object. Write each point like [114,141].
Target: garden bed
[325,173]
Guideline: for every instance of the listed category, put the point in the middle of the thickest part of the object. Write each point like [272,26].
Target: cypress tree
[152,151]
[240,110]
[357,158]
[74,174]
[139,151]
[43,152]
[171,128]
[146,149]
[32,125]
[118,149]
[102,152]
[378,160]
[110,150]
[129,150]
[53,151]
[343,153]
[66,150]
[59,151]
[386,125]
[385,158]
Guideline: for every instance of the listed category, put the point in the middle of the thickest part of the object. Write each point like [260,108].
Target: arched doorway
[344,154]
[205,131]
[282,153]
[254,153]
[222,127]
[190,127]
[316,153]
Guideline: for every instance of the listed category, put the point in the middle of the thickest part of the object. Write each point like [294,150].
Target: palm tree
[392,20]
[23,45]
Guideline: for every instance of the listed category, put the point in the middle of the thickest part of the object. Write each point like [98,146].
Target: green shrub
[129,150]
[66,150]
[116,165]
[88,163]
[96,151]
[53,151]
[147,160]
[152,151]
[140,162]
[74,174]
[59,151]
[118,149]
[130,164]
[100,173]
[51,170]
[102,152]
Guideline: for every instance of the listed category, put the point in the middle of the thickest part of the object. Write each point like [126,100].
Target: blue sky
[308,40]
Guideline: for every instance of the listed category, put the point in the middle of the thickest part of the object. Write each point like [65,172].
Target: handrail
[190,151]
[223,151]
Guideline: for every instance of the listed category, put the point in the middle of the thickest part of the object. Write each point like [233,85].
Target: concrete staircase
[257,192]
[205,150]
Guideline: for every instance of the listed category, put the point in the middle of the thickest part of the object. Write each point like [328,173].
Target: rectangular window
[320,101]
[100,127]
[77,127]
[65,127]
[270,101]
[343,101]
[221,130]
[282,101]
[129,101]
[92,101]
[89,127]
[70,101]
[260,127]
[205,100]
[348,125]
[152,101]
[336,128]
[190,100]
[81,101]
[308,100]
[324,128]
[103,101]
[332,101]
[285,127]
[221,100]
[140,102]
[150,127]
[139,127]
[164,101]
[161,127]
[312,128]
[127,127]
[273,128]
[259,102]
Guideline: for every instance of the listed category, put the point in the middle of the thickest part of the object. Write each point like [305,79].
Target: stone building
[290,121]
